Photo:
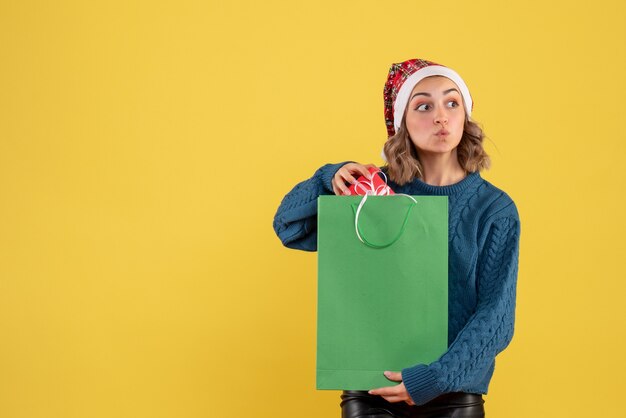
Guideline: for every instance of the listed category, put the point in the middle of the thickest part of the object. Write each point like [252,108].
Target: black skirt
[358,404]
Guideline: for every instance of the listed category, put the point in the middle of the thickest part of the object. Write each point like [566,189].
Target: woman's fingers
[361,169]
[386,391]
[349,178]
[340,189]
[346,175]
[339,184]
[393,399]
[395,376]
[341,177]
[396,393]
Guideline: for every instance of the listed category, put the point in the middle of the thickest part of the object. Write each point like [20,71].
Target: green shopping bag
[382,287]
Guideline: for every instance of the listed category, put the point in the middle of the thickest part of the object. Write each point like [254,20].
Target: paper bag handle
[364,240]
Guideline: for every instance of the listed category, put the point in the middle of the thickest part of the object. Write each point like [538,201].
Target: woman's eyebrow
[421,93]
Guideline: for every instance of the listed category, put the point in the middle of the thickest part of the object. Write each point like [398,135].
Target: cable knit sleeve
[488,331]
[295,221]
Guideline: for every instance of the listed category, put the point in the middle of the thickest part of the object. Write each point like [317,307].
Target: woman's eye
[453,103]
[422,107]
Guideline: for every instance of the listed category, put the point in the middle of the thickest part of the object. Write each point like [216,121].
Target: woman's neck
[442,169]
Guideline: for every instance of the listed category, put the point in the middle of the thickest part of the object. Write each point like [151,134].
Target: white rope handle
[358,212]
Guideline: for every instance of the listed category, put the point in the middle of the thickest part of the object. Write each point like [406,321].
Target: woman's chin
[443,147]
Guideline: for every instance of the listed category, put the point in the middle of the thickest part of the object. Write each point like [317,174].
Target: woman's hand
[396,393]
[346,175]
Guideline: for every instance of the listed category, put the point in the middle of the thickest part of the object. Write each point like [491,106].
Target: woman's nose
[441,116]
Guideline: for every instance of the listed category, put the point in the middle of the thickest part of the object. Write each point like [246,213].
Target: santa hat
[400,82]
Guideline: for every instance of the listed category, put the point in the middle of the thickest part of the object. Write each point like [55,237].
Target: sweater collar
[451,189]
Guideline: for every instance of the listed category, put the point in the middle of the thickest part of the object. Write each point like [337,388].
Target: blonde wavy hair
[403,164]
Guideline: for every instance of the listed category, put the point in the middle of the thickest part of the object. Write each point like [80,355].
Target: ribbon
[367,187]
[382,190]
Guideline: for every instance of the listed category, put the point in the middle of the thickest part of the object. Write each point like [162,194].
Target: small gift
[377,186]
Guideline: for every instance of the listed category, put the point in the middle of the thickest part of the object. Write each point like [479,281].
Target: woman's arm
[295,221]
[488,331]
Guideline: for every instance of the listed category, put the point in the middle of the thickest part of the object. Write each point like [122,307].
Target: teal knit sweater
[484,232]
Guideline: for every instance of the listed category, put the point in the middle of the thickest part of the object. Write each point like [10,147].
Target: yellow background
[145,147]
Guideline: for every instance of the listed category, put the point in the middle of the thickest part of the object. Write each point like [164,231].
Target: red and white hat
[401,80]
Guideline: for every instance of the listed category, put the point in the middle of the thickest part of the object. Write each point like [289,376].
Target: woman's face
[435,115]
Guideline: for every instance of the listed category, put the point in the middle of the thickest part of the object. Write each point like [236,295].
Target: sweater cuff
[421,383]
[327,172]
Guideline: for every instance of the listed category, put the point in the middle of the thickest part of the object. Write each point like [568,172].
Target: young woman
[434,148]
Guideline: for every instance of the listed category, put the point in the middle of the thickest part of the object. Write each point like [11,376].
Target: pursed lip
[442,132]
